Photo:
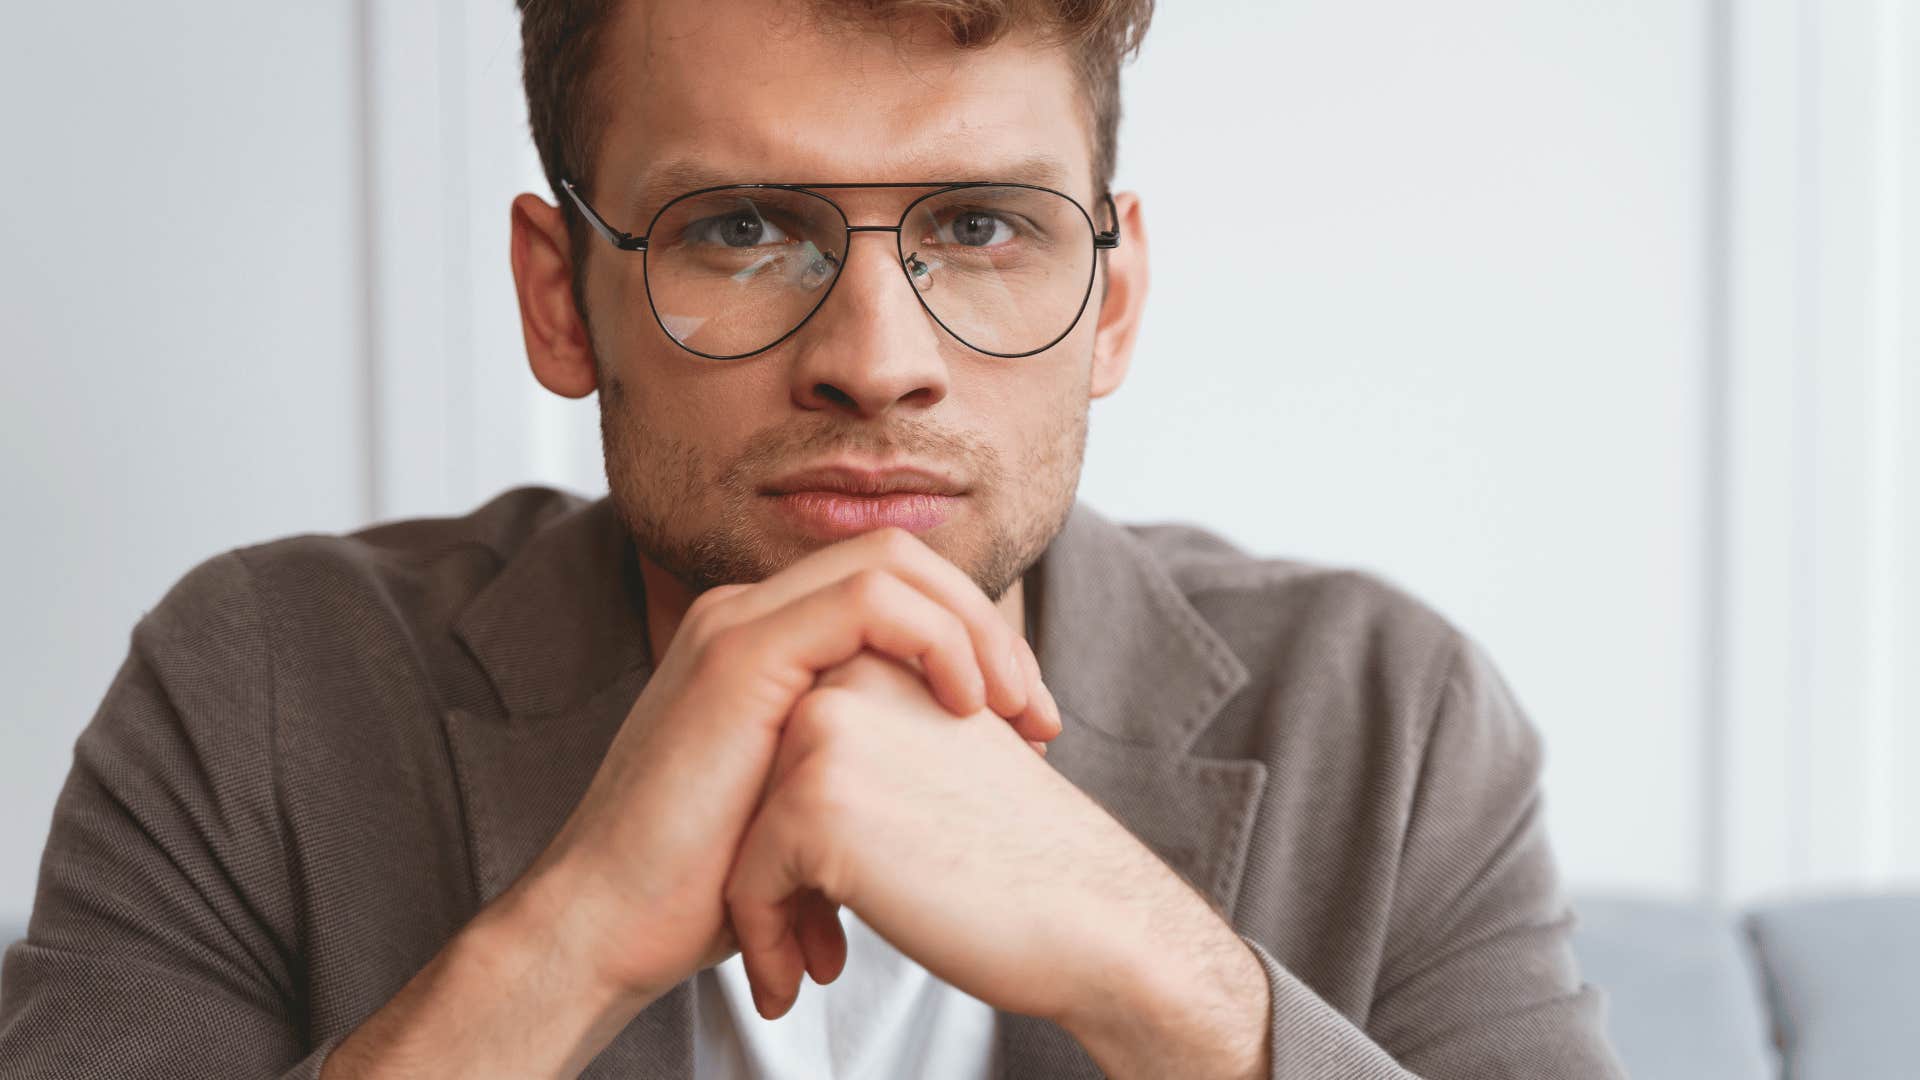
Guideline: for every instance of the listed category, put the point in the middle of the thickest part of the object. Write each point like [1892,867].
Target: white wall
[180,331]
[1431,289]
[1822,499]
[1581,321]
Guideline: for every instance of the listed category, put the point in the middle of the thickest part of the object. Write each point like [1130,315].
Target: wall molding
[412,298]
[1822,469]
[456,414]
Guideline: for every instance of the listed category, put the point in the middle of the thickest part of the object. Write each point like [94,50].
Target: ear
[1125,297]
[558,347]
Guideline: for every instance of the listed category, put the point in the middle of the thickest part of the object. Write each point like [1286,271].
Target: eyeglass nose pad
[820,266]
[919,271]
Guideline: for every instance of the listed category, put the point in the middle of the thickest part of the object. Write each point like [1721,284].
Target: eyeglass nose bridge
[915,269]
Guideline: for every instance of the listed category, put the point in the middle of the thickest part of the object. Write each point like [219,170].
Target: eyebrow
[679,176]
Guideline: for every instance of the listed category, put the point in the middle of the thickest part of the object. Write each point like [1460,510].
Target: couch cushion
[1683,997]
[1844,979]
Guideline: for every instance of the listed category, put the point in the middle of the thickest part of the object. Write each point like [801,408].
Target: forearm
[504,997]
[1185,998]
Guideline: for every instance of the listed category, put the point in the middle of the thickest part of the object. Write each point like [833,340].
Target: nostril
[834,394]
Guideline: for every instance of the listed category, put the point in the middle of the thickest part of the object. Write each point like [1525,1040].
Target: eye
[977,228]
[741,228]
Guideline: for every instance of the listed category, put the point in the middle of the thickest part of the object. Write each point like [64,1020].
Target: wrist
[507,996]
[540,935]
[1193,1001]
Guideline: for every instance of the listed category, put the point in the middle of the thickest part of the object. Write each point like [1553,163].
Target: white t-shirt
[884,1017]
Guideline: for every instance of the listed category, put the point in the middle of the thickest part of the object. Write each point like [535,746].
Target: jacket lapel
[1138,673]
[561,633]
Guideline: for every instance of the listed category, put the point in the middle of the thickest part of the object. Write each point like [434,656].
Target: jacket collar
[566,616]
[561,633]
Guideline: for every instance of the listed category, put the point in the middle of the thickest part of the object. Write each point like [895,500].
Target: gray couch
[1813,989]
[1810,990]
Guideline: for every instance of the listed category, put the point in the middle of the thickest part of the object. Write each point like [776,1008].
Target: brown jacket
[324,753]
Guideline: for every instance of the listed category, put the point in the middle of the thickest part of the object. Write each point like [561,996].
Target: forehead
[765,90]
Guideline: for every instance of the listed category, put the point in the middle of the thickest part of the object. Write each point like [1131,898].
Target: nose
[871,345]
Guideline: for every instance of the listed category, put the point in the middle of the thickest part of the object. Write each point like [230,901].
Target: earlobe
[1124,299]
[558,348]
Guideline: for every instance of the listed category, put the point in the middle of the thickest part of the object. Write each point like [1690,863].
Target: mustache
[775,448]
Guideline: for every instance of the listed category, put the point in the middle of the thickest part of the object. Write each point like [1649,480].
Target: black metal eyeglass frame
[624,241]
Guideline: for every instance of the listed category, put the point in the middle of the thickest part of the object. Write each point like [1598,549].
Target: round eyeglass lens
[1005,269]
[730,272]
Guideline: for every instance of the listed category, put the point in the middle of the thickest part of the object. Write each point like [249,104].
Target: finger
[822,939]
[761,901]
[908,558]
[1041,719]
[773,974]
[713,594]
[867,609]
[1038,747]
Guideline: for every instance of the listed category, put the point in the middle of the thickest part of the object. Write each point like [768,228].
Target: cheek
[666,390]
[1049,396]
[1035,421]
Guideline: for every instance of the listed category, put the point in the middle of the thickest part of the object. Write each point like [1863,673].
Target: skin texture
[687,440]
[810,698]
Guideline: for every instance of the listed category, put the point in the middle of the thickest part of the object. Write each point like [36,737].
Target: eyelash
[701,231]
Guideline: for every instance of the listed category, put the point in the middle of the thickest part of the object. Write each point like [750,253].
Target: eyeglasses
[732,271]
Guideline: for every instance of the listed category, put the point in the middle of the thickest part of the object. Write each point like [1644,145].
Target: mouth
[851,479]
[838,501]
[834,515]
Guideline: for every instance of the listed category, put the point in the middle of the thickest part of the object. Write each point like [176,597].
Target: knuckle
[698,625]
[817,714]
[869,587]
[813,710]
[705,618]
[707,601]
[719,646]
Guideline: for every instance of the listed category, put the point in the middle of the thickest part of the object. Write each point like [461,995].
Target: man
[750,768]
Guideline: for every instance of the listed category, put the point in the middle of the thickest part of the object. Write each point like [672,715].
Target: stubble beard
[707,527]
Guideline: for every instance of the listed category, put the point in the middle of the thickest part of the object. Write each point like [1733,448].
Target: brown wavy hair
[559,48]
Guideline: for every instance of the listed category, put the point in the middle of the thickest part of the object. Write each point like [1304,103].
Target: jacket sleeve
[163,937]
[1478,980]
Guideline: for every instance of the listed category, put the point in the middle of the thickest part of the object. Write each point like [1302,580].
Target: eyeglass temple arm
[1108,240]
[621,240]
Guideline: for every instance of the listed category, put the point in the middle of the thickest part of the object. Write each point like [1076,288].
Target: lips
[836,501]
[832,515]
[853,480]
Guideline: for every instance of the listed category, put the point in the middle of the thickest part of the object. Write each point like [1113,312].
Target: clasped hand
[860,729]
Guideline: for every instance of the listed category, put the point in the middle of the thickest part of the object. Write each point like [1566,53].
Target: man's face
[768,93]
